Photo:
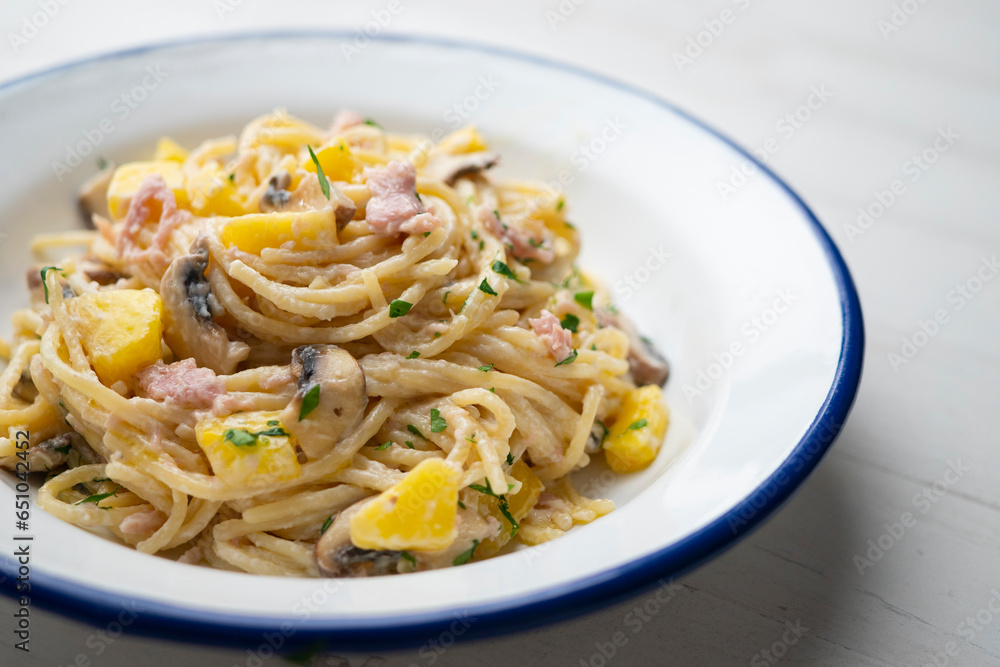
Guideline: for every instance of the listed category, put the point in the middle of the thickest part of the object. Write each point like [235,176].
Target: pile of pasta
[311,351]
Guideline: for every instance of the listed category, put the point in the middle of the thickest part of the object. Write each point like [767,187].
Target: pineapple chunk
[120,330]
[337,162]
[168,149]
[129,177]
[256,231]
[518,506]
[419,512]
[211,192]
[248,448]
[636,435]
[464,140]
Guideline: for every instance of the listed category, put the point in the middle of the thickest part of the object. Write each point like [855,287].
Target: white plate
[755,271]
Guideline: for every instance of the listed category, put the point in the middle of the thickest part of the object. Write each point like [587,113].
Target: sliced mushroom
[52,453]
[309,197]
[335,386]
[450,168]
[336,555]
[277,196]
[93,196]
[189,327]
[598,433]
[647,364]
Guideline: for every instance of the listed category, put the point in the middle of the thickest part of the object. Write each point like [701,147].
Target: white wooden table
[830,580]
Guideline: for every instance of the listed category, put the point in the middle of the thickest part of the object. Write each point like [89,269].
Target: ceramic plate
[743,291]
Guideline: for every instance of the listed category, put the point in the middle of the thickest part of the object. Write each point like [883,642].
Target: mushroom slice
[450,168]
[330,401]
[93,197]
[277,196]
[336,555]
[189,327]
[647,364]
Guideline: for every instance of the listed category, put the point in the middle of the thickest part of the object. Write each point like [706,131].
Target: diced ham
[522,245]
[187,385]
[394,207]
[558,340]
[153,188]
[183,383]
[344,119]
[142,523]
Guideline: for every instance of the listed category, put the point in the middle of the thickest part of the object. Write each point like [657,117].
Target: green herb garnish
[46,269]
[568,360]
[408,556]
[326,524]
[384,445]
[240,437]
[98,497]
[502,503]
[413,355]
[309,402]
[410,444]
[486,369]
[485,287]
[464,557]
[438,422]
[324,184]
[570,321]
[398,308]
[636,425]
[510,459]
[461,504]
[505,270]
[415,431]
[585,299]
[369,121]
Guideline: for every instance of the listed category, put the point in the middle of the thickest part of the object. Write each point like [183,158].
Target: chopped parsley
[461,504]
[413,355]
[98,497]
[560,205]
[486,369]
[510,459]
[384,445]
[273,422]
[398,308]
[421,201]
[438,422]
[309,403]
[585,299]
[505,271]
[326,524]
[324,184]
[570,321]
[475,235]
[410,445]
[568,360]
[63,450]
[232,178]
[369,121]
[535,244]
[241,437]
[444,299]
[426,234]
[46,269]
[636,425]
[408,556]
[415,431]
[485,287]
[502,502]
[464,557]
[472,439]
[102,164]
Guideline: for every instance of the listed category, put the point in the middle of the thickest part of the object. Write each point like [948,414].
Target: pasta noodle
[323,352]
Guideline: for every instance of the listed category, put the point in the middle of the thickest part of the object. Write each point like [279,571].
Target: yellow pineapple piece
[638,431]
[419,512]
[129,177]
[248,448]
[120,330]
[212,192]
[517,506]
[168,149]
[256,231]
[337,162]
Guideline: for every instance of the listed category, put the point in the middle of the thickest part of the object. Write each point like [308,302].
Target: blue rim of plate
[170,621]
